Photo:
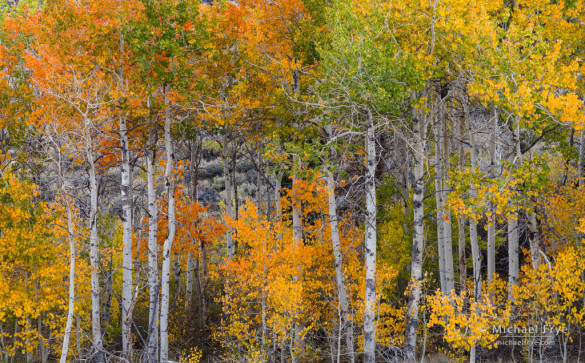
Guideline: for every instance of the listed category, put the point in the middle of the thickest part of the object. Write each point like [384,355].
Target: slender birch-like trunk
[193,169]
[236,195]
[277,224]
[153,287]
[513,253]
[447,233]
[94,254]
[532,226]
[67,333]
[439,202]
[444,238]
[339,278]
[126,196]
[277,206]
[260,188]
[420,130]
[473,240]
[166,263]
[491,249]
[461,251]
[230,247]
[370,247]
[491,238]
[189,279]
[127,242]
[513,234]
[296,217]
[461,220]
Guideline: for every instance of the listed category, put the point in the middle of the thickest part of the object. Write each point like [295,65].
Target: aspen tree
[418,186]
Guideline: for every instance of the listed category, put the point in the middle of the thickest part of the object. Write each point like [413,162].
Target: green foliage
[362,66]
[164,40]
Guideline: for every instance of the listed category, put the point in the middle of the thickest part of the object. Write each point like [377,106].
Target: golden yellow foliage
[34,269]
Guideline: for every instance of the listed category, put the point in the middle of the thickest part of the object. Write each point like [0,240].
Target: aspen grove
[292,181]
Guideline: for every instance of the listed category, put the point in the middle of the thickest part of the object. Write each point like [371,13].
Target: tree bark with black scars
[153,286]
[418,186]
[171,226]
[339,278]
[370,245]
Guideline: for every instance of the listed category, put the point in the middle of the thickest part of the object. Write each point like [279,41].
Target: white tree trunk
[444,237]
[166,264]
[492,220]
[440,206]
[461,220]
[126,196]
[476,257]
[420,130]
[513,234]
[461,252]
[126,241]
[277,206]
[473,240]
[339,278]
[447,233]
[513,254]
[472,353]
[491,248]
[189,279]
[370,248]
[153,287]
[230,247]
[94,255]
[67,334]
[296,217]
[533,239]
[260,188]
